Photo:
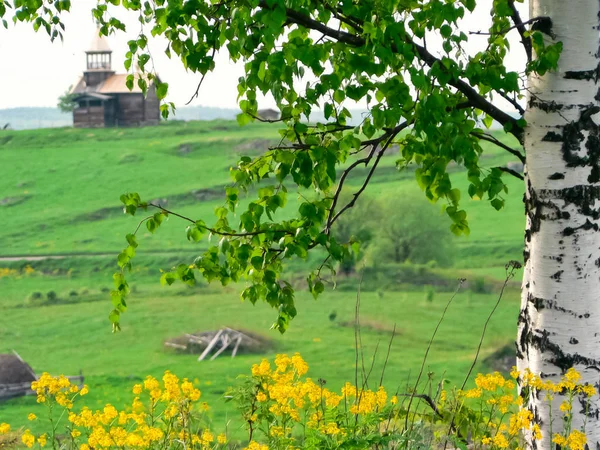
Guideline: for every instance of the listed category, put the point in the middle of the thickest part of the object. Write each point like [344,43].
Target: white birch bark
[559,322]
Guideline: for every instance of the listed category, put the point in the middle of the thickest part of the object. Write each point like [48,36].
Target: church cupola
[98,61]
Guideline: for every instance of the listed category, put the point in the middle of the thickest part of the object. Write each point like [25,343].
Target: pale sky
[35,72]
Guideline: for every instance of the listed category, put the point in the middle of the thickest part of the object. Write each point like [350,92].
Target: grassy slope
[69,182]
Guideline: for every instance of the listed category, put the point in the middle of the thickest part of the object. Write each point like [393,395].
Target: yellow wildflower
[500,441]
[28,438]
[381,396]
[537,432]
[222,439]
[42,440]
[261,397]
[189,391]
[151,383]
[171,411]
[559,439]
[84,390]
[137,389]
[31,416]
[253,445]
[514,373]
[577,440]
[262,369]
[276,431]
[332,429]
[299,364]
[207,437]
[473,393]
[588,390]
[4,428]
[565,406]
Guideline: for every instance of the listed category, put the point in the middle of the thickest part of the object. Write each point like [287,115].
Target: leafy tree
[410,230]
[429,101]
[394,229]
[66,102]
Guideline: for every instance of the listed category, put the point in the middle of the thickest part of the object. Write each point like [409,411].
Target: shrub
[394,229]
[35,298]
[429,293]
[478,285]
[51,297]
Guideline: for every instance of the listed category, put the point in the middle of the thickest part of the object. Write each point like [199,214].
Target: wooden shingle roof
[14,370]
[115,84]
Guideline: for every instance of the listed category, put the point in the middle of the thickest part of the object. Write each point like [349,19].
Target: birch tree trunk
[559,322]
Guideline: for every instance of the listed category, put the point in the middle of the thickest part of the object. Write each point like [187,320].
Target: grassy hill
[59,195]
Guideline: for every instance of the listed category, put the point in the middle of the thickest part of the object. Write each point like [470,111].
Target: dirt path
[29,257]
[13,258]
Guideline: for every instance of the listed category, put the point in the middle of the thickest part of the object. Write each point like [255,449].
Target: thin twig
[357,194]
[195,95]
[356,350]
[516,25]
[427,399]
[460,283]
[512,101]
[502,145]
[260,119]
[368,375]
[512,172]
[213,230]
[510,268]
[387,356]
[140,224]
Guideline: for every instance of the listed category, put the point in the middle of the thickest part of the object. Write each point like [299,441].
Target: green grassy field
[60,196]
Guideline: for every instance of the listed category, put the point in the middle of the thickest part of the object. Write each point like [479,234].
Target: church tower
[98,60]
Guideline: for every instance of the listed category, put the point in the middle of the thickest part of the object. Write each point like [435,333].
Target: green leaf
[262,70]
[161,90]
[114,316]
[243,119]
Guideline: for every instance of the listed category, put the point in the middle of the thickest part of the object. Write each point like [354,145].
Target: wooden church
[102,97]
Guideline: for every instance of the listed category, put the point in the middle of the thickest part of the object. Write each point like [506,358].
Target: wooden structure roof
[14,370]
[114,84]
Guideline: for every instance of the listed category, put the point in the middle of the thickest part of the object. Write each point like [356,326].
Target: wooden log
[210,346]
[237,344]
[179,346]
[196,339]
[243,335]
[226,341]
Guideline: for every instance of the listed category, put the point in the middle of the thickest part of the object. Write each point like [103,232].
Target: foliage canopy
[433,102]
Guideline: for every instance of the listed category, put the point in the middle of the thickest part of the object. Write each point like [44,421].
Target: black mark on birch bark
[559,358]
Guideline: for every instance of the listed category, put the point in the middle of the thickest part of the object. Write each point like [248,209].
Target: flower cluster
[7,272]
[163,414]
[279,402]
[283,408]
[504,417]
